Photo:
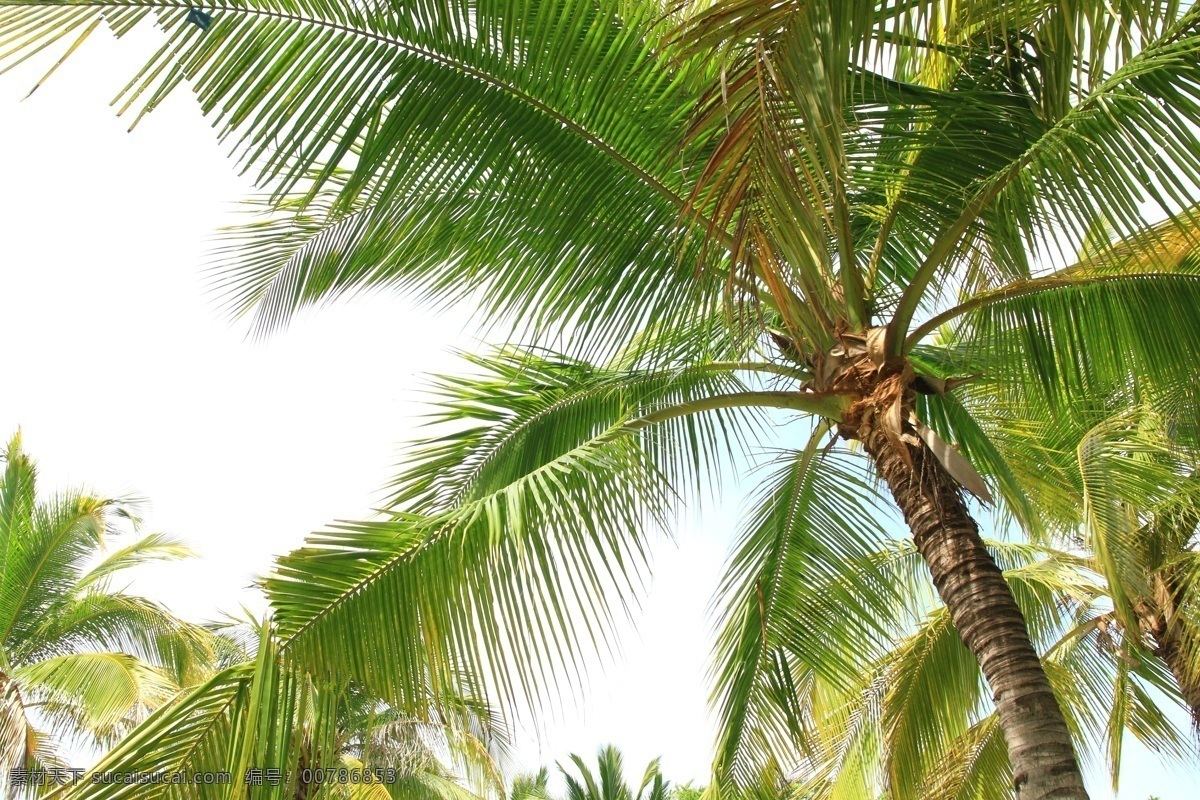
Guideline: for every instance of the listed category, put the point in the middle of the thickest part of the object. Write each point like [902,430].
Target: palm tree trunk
[984,614]
[1172,651]
[1172,642]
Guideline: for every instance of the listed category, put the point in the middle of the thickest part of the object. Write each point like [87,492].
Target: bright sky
[122,376]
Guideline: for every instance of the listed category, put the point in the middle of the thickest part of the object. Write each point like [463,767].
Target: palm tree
[1113,616]
[830,182]
[606,783]
[80,660]
[1163,595]
[531,786]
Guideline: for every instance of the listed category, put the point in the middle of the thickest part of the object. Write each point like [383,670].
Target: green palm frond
[1076,163]
[526,408]
[974,767]
[101,693]
[802,594]
[43,562]
[113,621]
[150,548]
[400,134]
[1128,334]
[190,735]
[514,527]
[1124,462]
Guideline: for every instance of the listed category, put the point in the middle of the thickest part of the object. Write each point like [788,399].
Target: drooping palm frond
[802,594]
[528,407]
[104,694]
[1095,337]
[486,149]
[153,547]
[1074,346]
[113,621]
[513,527]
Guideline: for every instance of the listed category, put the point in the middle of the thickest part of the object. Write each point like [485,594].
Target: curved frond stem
[828,405]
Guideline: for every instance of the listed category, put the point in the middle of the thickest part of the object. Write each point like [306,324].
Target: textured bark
[984,614]
[1172,645]
[1174,653]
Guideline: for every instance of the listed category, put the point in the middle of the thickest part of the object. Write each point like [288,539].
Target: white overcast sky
[123,377]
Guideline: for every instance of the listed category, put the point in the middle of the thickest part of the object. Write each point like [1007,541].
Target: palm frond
[482,148]
[801,594]
[1127,335]
[148,549]
[103,694]
[514,527]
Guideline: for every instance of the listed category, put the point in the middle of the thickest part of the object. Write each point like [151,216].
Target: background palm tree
[81,661]
[841,178]
[531,786]
[1117,485]
[607,782]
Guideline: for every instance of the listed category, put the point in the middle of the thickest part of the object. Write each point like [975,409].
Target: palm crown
[867,202]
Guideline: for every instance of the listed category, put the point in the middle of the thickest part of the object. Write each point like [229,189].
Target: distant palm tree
[531,786]
[1121,486]
[80,660]
[606,783]
[803,190]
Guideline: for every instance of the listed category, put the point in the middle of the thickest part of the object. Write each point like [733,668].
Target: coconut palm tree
[1163,594]
[531,786]
[1113,615]
[81,660]
[831,181]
